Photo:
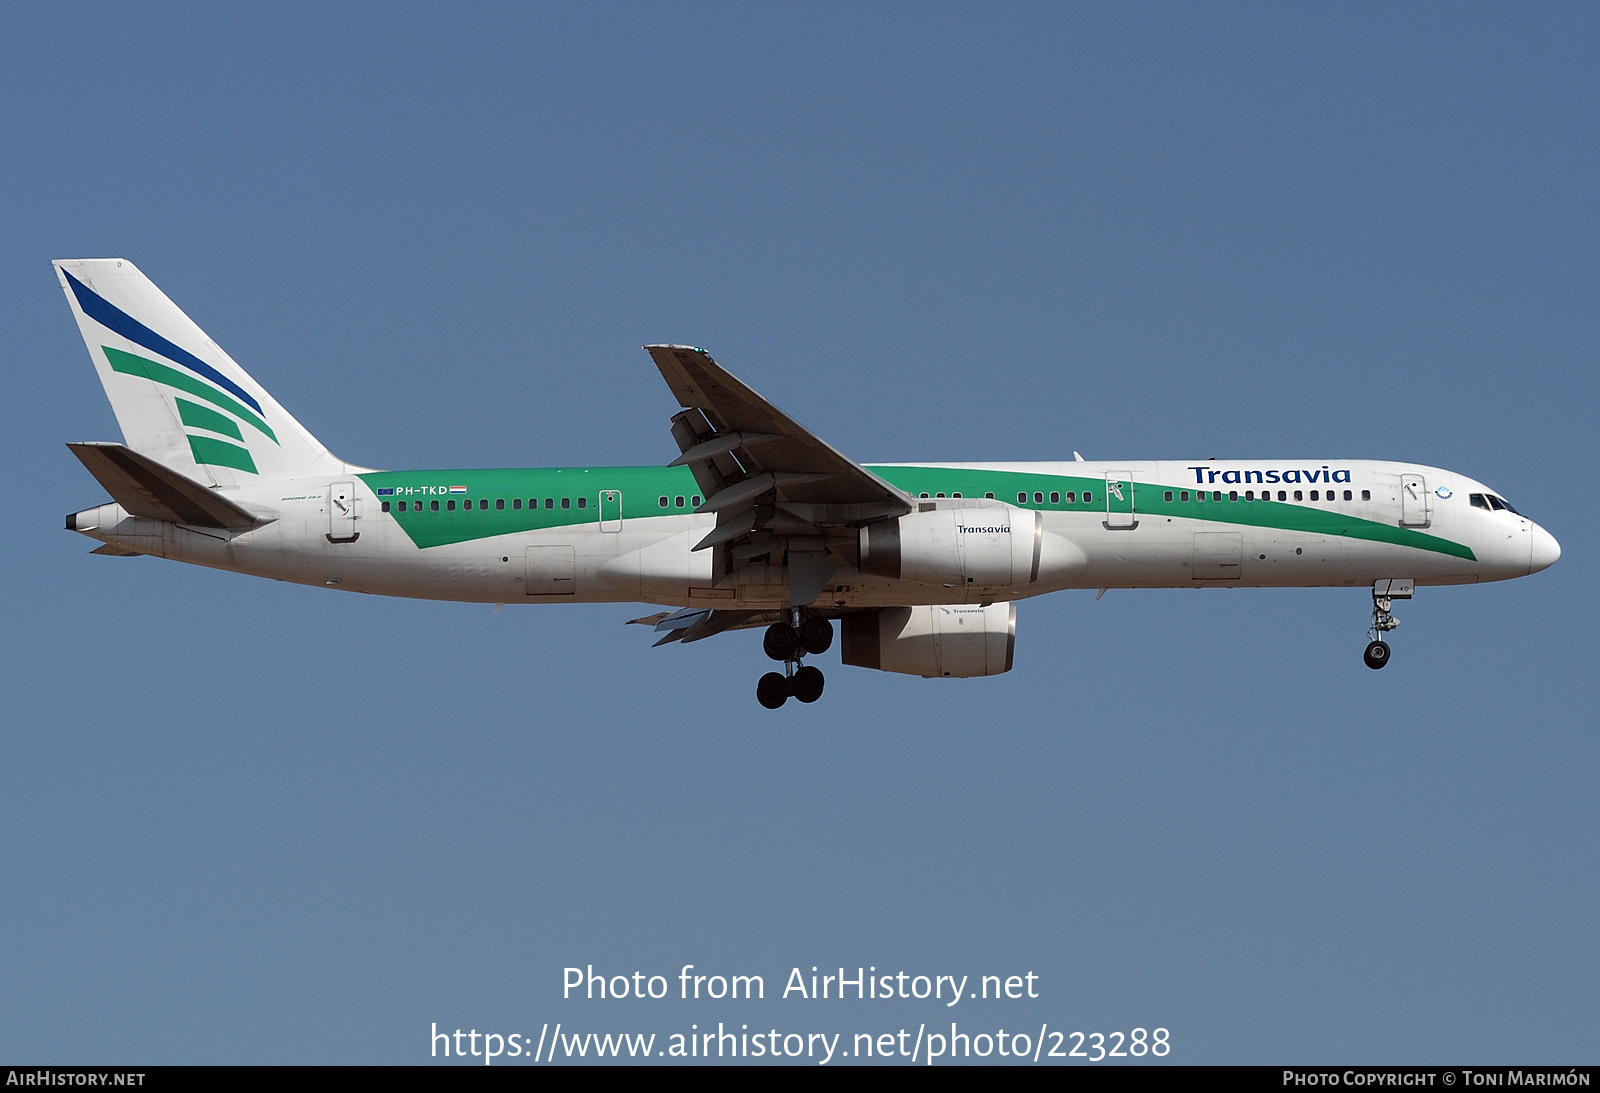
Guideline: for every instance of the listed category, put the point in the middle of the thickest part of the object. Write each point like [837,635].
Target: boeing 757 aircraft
[758,523]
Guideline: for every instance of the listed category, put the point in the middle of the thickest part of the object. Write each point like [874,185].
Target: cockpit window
[1493,503]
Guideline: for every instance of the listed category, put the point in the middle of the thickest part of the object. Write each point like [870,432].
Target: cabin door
[1413,501]
[342,513]
[1120,512]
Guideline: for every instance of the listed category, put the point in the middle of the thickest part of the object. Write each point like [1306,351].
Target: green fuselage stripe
[643,487]
[130,364]
[203,417]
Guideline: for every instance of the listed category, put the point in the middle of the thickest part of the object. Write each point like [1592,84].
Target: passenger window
[402,506]
[499,502]
[386,506]
[1298,496]
[922,495]
[1313,495]
[678,501]
[990,496]
[1199,495]
[583,502]
[451,505]
[1183,495]
[695,500]
[1249,495]
[1022,498]
[434,505]
[566,502]
[1347,496]
[550,503]
[1282,496]
[1169,495]
[1072,498]
[663,502]
[1216,495]
[516,502]
[1038,498]
[1088,498]
[1366,495]
[936,495]
[485,503]
[955,495]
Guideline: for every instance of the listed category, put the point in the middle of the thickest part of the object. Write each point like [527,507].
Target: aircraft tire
[816,634]
[772,690]
[1377,655]
[808,683]
[780,641]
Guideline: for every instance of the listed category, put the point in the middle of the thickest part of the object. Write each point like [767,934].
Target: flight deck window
[451,505]
[1169,495]
[1495,502]
[566,503]
[1507,505]
[386,506]
[434,505]
[1479,501]
[1055,498]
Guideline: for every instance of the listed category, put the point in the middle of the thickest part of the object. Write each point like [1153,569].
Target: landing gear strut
[789,642]
[1384,593]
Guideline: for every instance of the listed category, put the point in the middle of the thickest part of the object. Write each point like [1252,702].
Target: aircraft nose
[1545,550]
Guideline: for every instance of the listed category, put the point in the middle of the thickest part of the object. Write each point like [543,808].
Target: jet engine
[959,640]
[995,545]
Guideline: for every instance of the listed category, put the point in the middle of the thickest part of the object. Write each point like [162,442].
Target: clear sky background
[248,821]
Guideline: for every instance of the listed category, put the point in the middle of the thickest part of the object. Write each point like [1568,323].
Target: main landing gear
[789,642]
[1384,593]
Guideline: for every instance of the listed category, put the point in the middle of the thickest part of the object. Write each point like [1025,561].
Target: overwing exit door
[610,510]
[1120,511]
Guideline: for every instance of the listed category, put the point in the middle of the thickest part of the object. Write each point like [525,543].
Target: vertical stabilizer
[178,397]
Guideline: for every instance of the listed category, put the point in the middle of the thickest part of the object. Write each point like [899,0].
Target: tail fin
[179,398]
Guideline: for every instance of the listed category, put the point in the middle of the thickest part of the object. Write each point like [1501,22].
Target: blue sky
[252,822]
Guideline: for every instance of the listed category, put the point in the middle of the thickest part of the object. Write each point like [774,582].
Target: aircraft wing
[782,495]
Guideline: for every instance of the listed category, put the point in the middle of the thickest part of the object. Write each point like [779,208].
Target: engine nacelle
[995,545]
[958,641]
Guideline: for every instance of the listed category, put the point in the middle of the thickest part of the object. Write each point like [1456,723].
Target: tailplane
[179,399]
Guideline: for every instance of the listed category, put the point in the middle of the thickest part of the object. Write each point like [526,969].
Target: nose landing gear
[789,642]
[1384,593]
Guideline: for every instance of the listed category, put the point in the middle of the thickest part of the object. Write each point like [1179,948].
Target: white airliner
[756,523]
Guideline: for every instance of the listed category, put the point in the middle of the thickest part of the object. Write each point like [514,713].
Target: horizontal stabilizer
[146,488]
